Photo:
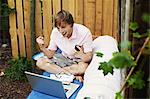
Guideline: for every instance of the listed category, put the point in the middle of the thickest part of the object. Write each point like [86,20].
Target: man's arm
[85,57]
[85,51]
[47,52]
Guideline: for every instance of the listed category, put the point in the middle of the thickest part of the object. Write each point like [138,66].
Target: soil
[11,89]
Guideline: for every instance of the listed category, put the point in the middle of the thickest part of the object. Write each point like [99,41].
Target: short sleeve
[52,43]
[87,45]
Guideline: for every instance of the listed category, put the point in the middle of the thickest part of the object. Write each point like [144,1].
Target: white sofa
[96,85]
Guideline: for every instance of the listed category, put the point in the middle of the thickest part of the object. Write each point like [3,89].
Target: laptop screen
[51,87]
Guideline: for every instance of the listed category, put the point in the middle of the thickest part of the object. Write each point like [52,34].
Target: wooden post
[127,19]
[20,30]
[107,17]
[98,20]
[32,26]
[89,14]
[116,20]
[13,30]
[79,11]
[56,8]
[38,18]
[47,20]
[27,27]
[69,5]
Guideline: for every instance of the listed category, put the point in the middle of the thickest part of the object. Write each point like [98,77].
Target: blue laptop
[50,87]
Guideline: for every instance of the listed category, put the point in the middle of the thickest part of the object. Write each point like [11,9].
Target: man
[74,40]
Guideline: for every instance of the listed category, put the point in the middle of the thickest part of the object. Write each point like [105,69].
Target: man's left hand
[80,53]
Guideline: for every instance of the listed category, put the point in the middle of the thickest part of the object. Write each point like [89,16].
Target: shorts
[60,60]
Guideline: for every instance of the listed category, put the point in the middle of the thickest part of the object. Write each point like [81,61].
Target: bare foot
[80,78]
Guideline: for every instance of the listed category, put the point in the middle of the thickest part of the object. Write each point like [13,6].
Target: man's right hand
[40,41]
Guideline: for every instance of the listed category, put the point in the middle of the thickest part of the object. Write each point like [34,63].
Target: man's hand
[40,41]
[80,53]
[85,57]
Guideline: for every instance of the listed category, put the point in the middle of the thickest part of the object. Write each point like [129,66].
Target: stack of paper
[65,78]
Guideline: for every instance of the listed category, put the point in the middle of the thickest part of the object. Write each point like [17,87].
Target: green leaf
[136,80]
[118,96]
[125,45]
[146,17]
[106,67]
[99,54]
[133,26]
[122,59]
[137,35]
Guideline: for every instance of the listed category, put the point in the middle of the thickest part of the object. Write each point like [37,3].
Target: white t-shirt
[81,36]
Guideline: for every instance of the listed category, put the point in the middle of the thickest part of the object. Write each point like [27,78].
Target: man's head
[64,22]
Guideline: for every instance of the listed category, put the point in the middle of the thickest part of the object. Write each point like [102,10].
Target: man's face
[65,29]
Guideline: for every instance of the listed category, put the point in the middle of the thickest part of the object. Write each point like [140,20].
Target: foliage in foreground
[17,68]
[124,59]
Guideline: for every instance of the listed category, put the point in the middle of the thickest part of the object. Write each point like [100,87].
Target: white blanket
[96,85]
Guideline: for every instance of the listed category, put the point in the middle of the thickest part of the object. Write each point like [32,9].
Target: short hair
[63,16]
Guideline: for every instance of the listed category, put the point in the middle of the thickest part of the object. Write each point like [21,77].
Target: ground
[9,89]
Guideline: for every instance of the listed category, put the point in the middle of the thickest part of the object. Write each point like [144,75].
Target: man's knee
[40,63]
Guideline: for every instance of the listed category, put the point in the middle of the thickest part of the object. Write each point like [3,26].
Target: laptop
[50,87]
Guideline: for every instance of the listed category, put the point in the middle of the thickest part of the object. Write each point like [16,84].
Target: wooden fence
[100,16]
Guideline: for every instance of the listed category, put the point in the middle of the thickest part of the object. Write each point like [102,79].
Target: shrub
[17,68]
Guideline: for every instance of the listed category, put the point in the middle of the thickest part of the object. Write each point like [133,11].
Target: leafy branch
[124,59]
[132,69]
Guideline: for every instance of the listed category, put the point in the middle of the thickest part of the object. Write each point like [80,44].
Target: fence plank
[69,5]
[27,27]
[107,17]
[65,4]
[72,8]
[89,14]
[20,28]
[47,20]
[56,8]
[98,20]
[13,30]
[38,18]
[79,11]
[115,20]
[38,21]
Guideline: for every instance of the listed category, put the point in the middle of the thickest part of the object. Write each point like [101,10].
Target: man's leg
[44,64]
[77,69]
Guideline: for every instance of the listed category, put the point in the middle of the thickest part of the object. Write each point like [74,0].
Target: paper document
[62,77]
